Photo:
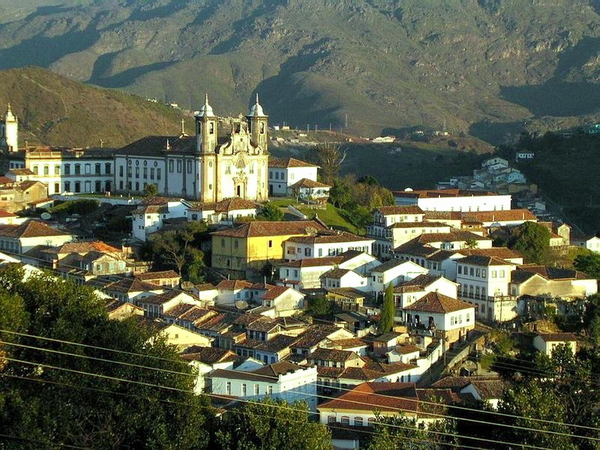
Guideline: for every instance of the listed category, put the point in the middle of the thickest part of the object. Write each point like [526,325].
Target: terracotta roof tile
[31,228]
[272,228]
[435,302]
[400,209]
[284,163]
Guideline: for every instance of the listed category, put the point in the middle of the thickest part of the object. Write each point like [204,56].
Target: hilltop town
[227,254]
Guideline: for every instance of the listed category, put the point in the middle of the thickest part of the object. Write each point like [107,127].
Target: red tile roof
[272,228]
[284,163]
[31,228]
[307,183]
[400,209]
[435,302]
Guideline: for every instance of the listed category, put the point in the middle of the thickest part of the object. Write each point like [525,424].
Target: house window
[244,390]
[158,173]
[46,170]
[120,171]
[222,243]
[145,172]
[270,243]
[98,169]
[171,165]
[107,168]
[88,169]
[56,170]
[307,252]
[330,419]
[358,421]
[179,166]
[270,390]
[345,420]
[256,389]
[67,186]
[228,388]
[67,169]
[236,244]
[34,169]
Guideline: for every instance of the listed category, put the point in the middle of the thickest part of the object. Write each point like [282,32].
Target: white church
[227,158]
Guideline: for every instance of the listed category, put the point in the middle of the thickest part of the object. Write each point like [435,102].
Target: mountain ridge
[378,65]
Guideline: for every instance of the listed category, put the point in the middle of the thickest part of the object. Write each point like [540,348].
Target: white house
[436,311]
[27,235]
[341,278]
[225,211]
[324,243]
[484,281]
[206,359]
[150,215]
[408,292]
[393,271]
[361,405]
[547,342]
[156,305]
[590,242]
[282,380]
[310,190]
[306,273]
[284,172]
[453,200]
[282,301]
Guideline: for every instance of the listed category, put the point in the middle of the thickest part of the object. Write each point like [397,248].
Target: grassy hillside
[55,110]
[482,66]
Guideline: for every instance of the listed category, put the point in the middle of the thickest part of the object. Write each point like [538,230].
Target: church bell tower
[257,122]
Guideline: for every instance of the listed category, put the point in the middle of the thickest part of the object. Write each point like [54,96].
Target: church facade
[226,158]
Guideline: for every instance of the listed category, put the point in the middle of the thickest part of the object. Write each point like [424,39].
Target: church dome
[256,109]
[206,110]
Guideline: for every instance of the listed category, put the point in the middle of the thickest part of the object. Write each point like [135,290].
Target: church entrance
[240,191]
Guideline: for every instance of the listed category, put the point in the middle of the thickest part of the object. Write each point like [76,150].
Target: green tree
[150,190]
[329,157]
[532,411]
[179,249]
[270,425]
[319,306]
[88,381]
[533,241]
[388,310]
[270,212]
[400,433]
[588,263]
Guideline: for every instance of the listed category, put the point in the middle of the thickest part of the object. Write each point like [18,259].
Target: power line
[318,385]
[308,395]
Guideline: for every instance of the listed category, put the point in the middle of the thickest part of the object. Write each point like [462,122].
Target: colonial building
[208,167]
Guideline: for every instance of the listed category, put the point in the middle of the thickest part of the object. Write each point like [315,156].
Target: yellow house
[244,250]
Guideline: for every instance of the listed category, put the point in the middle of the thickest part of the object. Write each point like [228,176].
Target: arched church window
[262,128]
[211,128]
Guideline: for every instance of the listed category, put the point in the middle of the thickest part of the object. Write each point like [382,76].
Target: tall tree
[270,212]
[388,310]
[76,378]
[400,432]
[533,241]
[589,263]
[270,425]
[330,157]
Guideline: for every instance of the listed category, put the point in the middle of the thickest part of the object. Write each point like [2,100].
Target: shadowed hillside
[373,64]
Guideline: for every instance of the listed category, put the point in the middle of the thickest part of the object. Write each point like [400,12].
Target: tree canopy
[71,376]
[388,310]
[271,425]
[533,241]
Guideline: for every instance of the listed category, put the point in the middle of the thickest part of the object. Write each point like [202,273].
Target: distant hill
[485,67]
[55,110]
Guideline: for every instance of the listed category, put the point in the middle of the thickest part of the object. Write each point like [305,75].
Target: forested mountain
[481,66]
